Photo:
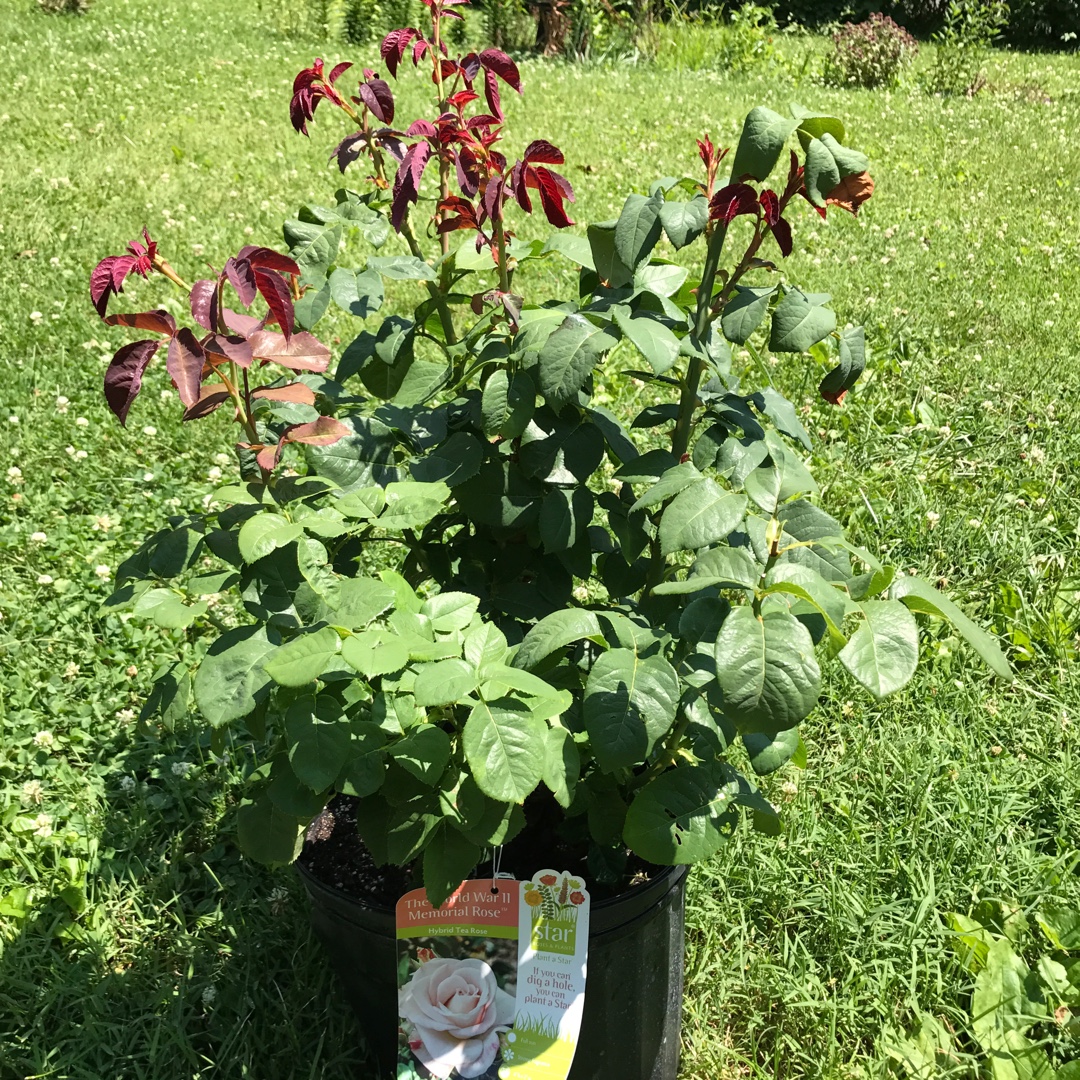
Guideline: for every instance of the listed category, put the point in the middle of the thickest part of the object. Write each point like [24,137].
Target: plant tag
[491,985]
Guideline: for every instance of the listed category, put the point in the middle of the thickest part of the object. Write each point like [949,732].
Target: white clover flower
[71,670]
[127,783]
[81,421]
[181,768]
[147,476]
[38,537]
[222,459]
[43,826]
[44,579]
[81,455]
[974,523]
[1037,454]
[32,792]
[103,523]
[789,789]
[932,518]
[125,716]
[213,473]
[62,404]
[208,996]
[131,671]
[103,572]
[44,739]
[36,317]
[166,394]
[14,474]
[13,419]
[149,430]
[69,450]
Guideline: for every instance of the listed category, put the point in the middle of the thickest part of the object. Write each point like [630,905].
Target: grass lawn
[135,943]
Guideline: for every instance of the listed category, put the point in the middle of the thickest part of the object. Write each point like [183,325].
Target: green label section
[444,929]
[555,936]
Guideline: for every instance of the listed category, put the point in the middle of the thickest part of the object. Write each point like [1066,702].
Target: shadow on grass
[189,961]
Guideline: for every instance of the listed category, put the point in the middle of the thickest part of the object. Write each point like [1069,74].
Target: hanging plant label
[491,984]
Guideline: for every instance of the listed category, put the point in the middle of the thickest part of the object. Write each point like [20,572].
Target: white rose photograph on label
[457,982]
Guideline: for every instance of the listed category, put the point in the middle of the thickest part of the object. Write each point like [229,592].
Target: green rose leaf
[764,135]
[448,860]
[318,740]
[884,652]
[231,679]
[553,632]
[374,652]
[268,835]
[265,533]
[702,515]
[402,268]
[684,815]
[567,358]
[766,669]
[564,517]
[653,339]
[798,322]
[359,600]
[450,611]
[507,404]
[444,682]
[455,461]
[630,702]
[920,596]
[562,765]
[638,229]
[769,752]
[684,222]
[424,752]
[744,311]
[505,747]
[303,659]
[167,609]
[360,294]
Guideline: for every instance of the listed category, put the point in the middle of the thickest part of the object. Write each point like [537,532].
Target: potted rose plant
[470,609]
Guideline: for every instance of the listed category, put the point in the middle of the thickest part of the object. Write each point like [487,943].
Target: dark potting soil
[335,854]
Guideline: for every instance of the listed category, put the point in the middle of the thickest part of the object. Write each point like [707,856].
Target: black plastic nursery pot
[633,994]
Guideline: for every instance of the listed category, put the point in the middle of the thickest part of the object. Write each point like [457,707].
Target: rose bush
[490,601]
[454,1011]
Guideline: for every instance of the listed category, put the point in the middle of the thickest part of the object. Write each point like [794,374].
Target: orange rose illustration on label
[453,1012]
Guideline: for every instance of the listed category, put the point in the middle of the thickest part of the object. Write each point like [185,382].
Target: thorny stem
[500,241]
[444,164]
[680,439]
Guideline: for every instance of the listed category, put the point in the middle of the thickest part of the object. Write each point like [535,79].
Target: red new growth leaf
[222,349]
[394,45]
[295,392]
[242,276]
[834,397]
[124,375]
[376,95]
[302,352]
[321,432]
[274,290]
[309,88]
[157,321]
[211,397]
[407,181]
[541,152]
[201,300]
[781,230]
[731,201]
[503,66]
[264,258]
[184,363]
[108,276]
